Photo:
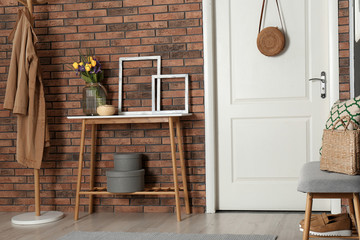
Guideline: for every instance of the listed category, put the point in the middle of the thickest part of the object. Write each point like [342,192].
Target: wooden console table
[132,119]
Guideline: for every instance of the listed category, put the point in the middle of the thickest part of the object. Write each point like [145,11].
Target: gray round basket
[125,182]
[127,161]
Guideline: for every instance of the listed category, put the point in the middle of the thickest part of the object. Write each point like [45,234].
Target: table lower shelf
[147,191]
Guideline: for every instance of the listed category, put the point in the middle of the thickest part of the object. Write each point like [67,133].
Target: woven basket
[341,149]
[270,41]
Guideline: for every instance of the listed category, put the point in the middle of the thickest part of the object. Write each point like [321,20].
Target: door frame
[211,147]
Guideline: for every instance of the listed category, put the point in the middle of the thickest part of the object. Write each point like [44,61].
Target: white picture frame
[125,59]
[156,81]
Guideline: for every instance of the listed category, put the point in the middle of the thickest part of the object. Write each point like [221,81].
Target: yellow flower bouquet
[89,68]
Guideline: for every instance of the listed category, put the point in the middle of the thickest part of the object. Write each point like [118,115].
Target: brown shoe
[318,217]
[324,225]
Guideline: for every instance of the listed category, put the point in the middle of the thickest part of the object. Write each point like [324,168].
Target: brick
[49,23]
[121,27]
[343,29]
[344,21]
[171,32]
[142,33]
[344,45]
[57,45]
[123,11]
[159,2]
[192,62]
[184,7]
[115,201]
[79,36]
[62,14]
[172,62]
[343,4]
[170,48]
[109,35]
[140,141]
[139,18]
[93,28]
[139,49]
[156,40]
[79,21]
[58,30]
[48,8]
[343,12]
[51,38]
[194,14]
[131,3]
[125,42]
[108,5]
[169,16]
[153,9]
[152,25]
[92,13]
[193,38]
[77,6]
[158,209]
[106,20]
[187,54]
[97,43]
[21,179]
[195,30]
[116,141]
[184,23]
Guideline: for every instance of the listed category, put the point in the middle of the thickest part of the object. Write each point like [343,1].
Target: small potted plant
[94,93]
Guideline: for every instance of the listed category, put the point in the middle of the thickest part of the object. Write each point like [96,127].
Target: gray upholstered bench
[323,184]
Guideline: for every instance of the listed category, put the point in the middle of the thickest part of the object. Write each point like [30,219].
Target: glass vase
[94,95]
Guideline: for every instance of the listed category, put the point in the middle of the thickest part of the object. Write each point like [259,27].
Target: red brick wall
[170,28]
[344,60]
[344,53]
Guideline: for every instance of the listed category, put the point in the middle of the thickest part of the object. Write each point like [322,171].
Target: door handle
[322,80]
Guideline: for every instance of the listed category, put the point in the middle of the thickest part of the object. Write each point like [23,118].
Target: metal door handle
[322,80]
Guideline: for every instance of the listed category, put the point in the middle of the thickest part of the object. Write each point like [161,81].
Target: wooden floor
[284,225]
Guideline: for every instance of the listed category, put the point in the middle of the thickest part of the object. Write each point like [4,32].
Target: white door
[269,116]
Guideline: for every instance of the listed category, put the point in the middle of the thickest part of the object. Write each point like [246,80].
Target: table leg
[81,158]
[92,166]
[182,162]
[173,156]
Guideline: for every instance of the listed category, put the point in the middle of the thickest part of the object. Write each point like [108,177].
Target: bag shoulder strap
[262,13]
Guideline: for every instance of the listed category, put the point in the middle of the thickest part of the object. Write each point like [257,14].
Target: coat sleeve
[17,92]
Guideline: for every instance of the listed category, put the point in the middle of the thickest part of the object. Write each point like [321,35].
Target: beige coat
[25,94]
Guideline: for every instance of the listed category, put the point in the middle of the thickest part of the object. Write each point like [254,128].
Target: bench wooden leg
[309,199]
[357,211]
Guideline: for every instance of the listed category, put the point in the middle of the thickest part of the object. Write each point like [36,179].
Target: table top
[155,115]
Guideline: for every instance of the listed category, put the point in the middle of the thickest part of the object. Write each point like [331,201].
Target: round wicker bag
[270,41]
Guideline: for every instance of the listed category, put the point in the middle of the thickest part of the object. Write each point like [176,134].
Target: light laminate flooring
[282,224]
